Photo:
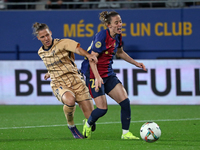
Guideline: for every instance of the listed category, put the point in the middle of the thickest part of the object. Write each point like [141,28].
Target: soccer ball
[150,132]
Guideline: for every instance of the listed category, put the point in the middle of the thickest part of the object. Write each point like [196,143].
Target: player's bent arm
[123,55]
[83,52]
[120,53]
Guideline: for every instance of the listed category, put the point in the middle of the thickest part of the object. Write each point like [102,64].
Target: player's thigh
[101,102]
[64,95]
[87,107]
[99,97]
[81,92]
[118,93]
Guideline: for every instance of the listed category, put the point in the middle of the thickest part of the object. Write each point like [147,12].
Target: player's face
[45,36]
[115,25]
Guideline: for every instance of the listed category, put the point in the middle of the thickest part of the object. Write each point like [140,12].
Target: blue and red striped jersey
[106,46]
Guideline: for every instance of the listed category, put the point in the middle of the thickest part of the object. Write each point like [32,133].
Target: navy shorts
[109,83]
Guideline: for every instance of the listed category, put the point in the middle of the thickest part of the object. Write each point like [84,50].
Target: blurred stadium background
[163,34]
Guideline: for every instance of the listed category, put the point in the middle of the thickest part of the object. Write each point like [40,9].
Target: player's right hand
[98,82]
[46,76]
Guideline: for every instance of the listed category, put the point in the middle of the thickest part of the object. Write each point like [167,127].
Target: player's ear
[108,25]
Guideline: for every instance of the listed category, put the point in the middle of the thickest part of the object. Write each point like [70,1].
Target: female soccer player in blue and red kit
[105,45]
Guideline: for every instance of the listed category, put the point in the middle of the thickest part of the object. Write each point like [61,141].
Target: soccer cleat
[130,136]
[86,130]
[76,133]
[93,127]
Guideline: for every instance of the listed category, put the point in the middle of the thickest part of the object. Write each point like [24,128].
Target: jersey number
[92,85]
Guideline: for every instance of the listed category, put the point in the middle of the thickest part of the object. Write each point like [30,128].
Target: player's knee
[68,99]
[125,104]
[101,112]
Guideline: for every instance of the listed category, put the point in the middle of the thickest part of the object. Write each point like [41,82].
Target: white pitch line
[43,126]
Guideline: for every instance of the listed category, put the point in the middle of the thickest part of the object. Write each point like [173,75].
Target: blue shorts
[109,83]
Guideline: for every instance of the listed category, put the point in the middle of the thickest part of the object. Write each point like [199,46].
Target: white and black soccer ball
[150,132]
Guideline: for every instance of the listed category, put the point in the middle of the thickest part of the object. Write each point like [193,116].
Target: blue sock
[95,115]
[125,114]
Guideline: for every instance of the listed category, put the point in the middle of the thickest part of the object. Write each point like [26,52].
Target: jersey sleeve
[70,45]
[98,44]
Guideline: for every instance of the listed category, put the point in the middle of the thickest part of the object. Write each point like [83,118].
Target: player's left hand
[141,65]
[46,76]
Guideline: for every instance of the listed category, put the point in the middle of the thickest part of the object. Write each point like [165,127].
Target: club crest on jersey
[98,44]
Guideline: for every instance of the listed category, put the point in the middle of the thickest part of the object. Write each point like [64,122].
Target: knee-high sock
[69,113]
[125,114]
[95,115]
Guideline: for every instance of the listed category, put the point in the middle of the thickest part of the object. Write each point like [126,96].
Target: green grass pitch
[44,127]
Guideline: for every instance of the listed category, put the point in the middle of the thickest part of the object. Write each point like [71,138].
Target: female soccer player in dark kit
[104,46]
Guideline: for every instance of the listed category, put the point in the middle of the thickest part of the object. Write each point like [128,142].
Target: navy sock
[95,115]
[125,114]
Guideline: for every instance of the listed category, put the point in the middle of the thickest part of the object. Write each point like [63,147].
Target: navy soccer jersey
[106,46]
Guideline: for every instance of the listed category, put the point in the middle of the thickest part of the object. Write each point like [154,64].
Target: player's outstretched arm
[126,57]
